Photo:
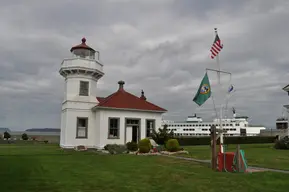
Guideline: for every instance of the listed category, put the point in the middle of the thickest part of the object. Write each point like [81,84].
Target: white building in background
[281,129]
[195,127]
[96,121]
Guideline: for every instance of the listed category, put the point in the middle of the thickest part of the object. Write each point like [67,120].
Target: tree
[7,135]
[282,143]
[163,135]
[24,136]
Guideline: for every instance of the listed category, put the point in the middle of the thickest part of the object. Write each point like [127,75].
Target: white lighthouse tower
[81,73]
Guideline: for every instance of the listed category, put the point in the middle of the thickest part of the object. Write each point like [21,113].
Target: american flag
[216,47]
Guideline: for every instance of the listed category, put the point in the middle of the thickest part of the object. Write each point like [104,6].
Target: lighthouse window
[83,88]
[82,54]
[81,128]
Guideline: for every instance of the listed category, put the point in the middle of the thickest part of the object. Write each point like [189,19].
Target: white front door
[128,134]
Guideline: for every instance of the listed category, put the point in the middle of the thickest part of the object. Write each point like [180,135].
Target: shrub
[45,141]
[144,149]
[24,136]
[131,146]
[282,143]
[7,135]
[148,142]
[162,136]
[144,145]
[172,145]
[115,149]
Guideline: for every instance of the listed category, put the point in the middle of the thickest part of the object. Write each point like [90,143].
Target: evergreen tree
[7,135]
[162,136]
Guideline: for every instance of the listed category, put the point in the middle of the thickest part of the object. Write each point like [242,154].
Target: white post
[220,119]
[219,68]
[221,128]
[287,109]
[218,63]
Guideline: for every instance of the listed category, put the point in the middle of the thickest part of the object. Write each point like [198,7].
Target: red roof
[124,100]
[82,46]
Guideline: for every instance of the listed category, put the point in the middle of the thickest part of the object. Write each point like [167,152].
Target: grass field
[262,155]
[48,168]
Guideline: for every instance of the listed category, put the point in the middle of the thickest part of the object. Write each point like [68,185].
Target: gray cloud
[159,46]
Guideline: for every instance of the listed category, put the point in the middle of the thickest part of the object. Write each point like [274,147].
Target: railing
[85,63]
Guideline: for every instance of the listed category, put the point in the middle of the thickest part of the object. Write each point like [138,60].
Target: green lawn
[42,168]
[262,155]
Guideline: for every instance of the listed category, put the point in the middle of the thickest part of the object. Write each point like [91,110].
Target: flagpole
[221,107]
[218,62]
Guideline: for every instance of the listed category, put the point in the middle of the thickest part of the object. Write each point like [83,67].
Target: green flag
[204,91]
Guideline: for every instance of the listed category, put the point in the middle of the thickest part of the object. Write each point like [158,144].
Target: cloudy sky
[161,46]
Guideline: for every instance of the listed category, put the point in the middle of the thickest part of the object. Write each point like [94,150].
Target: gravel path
[251,168]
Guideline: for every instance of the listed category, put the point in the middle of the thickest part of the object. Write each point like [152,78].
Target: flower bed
[145,147]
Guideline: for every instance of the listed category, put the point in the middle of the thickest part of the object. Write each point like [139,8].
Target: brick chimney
[121,83]
[142,95]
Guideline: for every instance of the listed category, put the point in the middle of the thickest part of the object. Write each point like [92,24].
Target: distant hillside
[43,130]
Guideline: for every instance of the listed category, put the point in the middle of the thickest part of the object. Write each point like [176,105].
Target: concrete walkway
[251,168]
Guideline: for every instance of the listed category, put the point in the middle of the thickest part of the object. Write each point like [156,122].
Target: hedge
[186,141]
[21,142]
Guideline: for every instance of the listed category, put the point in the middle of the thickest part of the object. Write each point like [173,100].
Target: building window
[83,88]
[132,122]
[150,125]
[113,128]
[81,128]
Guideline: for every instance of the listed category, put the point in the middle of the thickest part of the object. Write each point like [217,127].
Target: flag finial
[217,45]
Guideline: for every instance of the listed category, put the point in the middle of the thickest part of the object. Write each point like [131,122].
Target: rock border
[174,153]
[158,153]
[80,148]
